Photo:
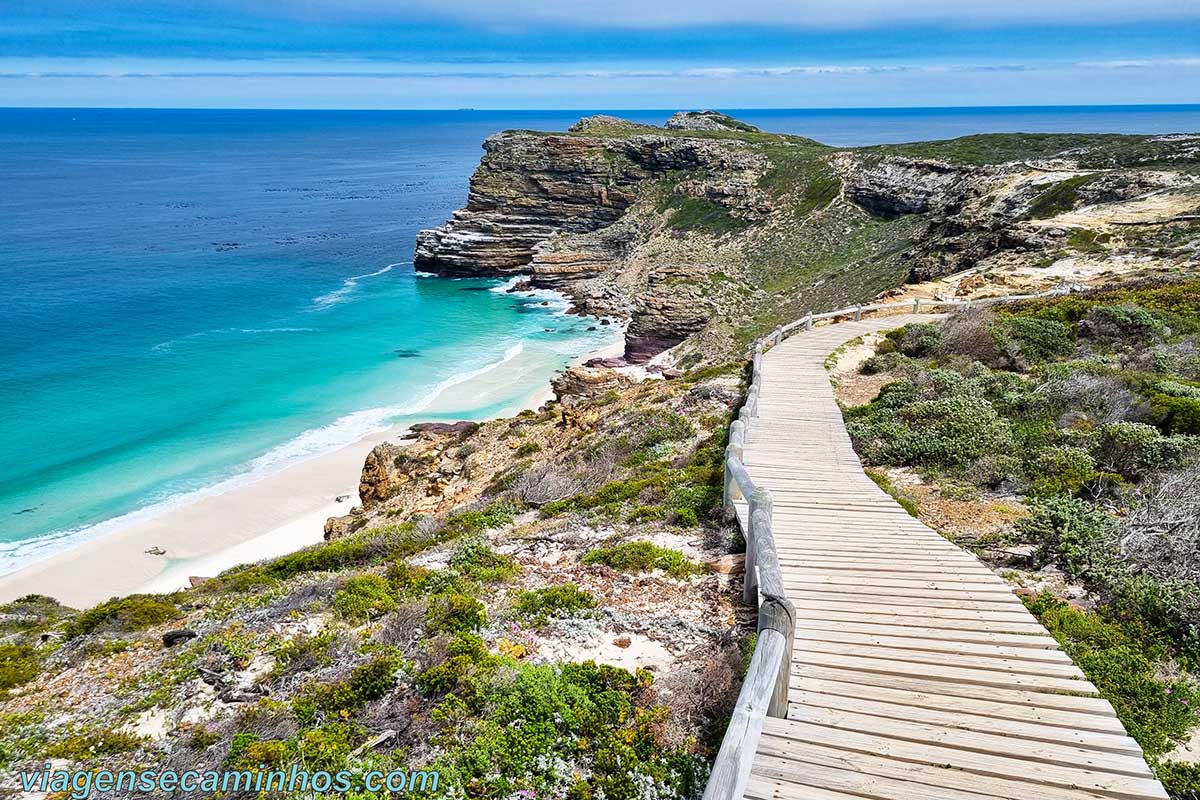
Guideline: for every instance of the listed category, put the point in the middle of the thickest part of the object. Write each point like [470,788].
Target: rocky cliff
[708,230]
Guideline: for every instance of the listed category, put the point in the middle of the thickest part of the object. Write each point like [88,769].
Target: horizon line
[595,109]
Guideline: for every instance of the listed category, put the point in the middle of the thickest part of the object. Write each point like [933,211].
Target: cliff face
[708,230]
[526,189]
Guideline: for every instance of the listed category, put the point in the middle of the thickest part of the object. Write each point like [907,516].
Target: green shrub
[313,649]
[1177,414]
[359,549]
[440,581]
[994,469]
[1134,449]
[917,339]
[528,449]
[1062,196]
[406,578]
[585,715]
[688,503]
[951,431]
[365,597]
[19,664]
[1041,339]
[450,613]
[883,362]
[1059,470]
[202,738]
[663,426]
[1125,322]
[1072,533]
[1177,389]
[328,746]
[1126,668]
[479,562]
[1179,779]
[473,523]
[1169,605]
[367,682]
[31,612]
[466,671]
[684,495]
[643,557]
[84,745]
[248,751]
[133,613]
[700,213]
[540,606]
[897,395]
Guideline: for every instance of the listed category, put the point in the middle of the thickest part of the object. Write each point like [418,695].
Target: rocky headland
[707,230]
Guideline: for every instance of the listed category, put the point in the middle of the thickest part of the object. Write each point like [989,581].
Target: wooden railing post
[734,450]
[858,312]
[808,322]
[760,505]
[775,612]
[917,306]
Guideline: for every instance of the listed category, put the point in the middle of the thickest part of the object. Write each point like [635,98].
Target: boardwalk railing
[765,688]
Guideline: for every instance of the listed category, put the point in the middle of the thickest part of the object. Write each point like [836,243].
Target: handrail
[764,690]
[916,304]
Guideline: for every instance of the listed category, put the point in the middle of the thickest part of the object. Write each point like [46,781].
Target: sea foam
[348,286]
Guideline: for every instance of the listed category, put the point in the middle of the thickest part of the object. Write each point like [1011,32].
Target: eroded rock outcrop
[891,186]
[706,121]
[580,384]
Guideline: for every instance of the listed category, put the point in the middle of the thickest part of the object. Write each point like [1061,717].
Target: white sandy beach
[276,514]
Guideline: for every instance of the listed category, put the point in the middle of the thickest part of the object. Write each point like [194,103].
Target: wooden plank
[980,583]
[913,598]
[921,732]
[888,565]
[957,718]
[1014,623]
[979,676]
[953,611]
[923,633]
[790,733]
[921,779]
[889,642]
[1080,703]
[1004,706]
[998,663]
[821,769]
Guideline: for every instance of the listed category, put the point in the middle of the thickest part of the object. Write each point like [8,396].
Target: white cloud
[798,13]
[349,68]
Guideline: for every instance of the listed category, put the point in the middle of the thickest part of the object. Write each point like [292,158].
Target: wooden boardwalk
[916,673]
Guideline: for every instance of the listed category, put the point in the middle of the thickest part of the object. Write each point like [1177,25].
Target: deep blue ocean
[193,298]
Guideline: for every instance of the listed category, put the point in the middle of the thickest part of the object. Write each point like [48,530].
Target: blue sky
[586,54]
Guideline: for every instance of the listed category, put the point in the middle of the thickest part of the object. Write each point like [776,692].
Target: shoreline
[276,514]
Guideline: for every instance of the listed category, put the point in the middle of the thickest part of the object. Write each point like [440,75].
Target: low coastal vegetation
[1082,411]
[560,630]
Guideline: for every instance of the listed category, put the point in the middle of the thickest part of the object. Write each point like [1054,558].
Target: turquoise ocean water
[194,298]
